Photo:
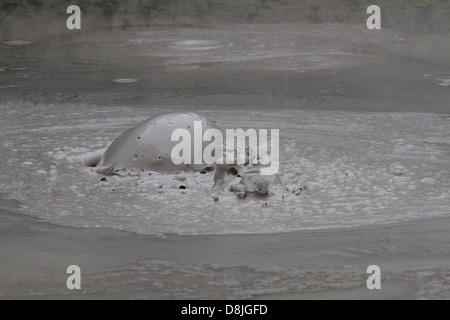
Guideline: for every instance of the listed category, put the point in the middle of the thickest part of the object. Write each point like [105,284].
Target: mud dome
[148,146]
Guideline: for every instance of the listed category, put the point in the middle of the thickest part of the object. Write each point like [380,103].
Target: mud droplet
[180,178]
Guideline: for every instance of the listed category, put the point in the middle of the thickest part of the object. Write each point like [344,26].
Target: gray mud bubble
[16,43]
[180,178]
[148,146]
